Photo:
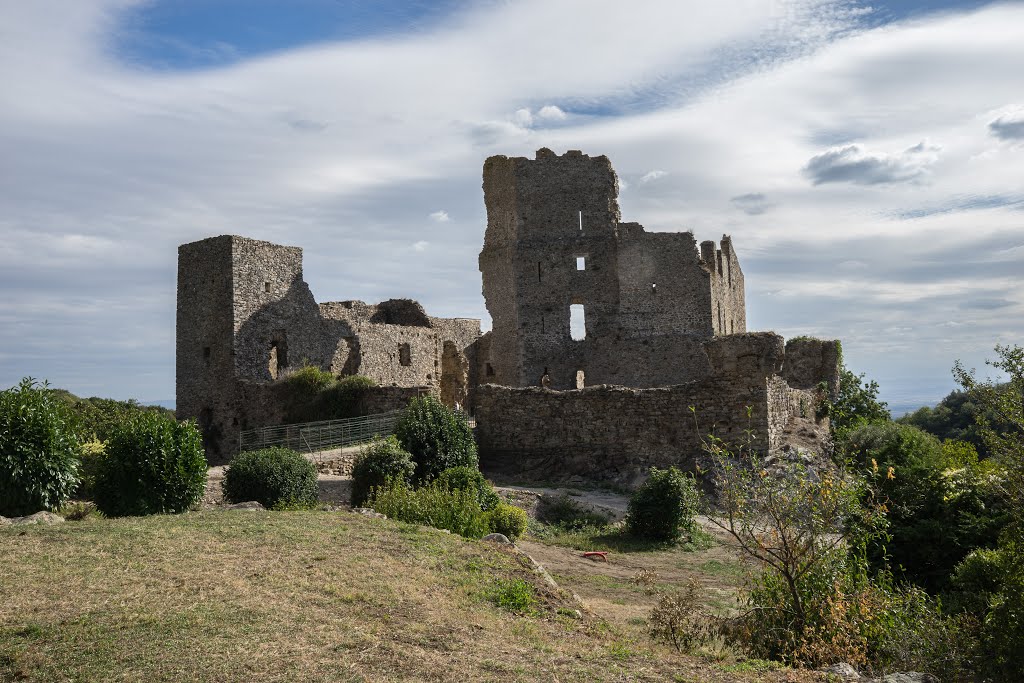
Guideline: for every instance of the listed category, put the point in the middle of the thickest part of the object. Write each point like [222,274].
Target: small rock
[369,512]
[846,671]
[43,517]
[910,677]
[497,538]
[249,505]
[4,521]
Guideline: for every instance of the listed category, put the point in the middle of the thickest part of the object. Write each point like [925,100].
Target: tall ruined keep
[555,248]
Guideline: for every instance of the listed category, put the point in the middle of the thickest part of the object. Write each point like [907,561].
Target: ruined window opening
[581,221]
[206,354]
[405,354]
[581,379]
[278,360]
[266,287]
[577,322]
[654,288]
[489,370]
[538,271]
[581,263]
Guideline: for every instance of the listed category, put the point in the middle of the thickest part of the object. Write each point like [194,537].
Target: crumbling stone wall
[618,433]
[246,318]
[554,240]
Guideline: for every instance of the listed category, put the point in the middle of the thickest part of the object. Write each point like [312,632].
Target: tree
[857,402]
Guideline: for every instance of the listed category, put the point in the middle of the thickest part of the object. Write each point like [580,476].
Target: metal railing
[313,437]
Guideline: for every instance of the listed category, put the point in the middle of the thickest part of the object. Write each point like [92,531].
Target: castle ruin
[661,328]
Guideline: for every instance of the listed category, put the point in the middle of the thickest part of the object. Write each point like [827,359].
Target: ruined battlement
[555,248]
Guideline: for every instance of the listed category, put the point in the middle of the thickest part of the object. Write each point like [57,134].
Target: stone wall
[246,319]
[554,241]
[619,433]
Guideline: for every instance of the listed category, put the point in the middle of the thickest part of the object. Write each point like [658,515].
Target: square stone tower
[555,248]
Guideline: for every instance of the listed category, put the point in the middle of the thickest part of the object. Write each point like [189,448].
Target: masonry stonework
[663,331]
[246,318]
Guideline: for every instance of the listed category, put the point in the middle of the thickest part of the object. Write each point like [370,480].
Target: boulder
[42,517]
[843,670]
[501,539]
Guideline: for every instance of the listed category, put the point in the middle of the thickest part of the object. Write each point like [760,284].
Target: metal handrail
[319,436]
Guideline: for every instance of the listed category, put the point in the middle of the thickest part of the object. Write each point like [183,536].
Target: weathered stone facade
[618,433]
[246,318]
[554,240]
[665,330]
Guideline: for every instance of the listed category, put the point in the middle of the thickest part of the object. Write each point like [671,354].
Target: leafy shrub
[680,619]
[342,398]
[275,477]
[437,437]
[974,582]
[88,465]
[380,461]
[664,508]
[152,464]
[457,511]
[39,450]
[571,515]
[891,444]
[514,595]
[77,510]
[507,519]
[97,417]
[470,479]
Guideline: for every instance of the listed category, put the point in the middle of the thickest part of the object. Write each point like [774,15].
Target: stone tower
[555,248]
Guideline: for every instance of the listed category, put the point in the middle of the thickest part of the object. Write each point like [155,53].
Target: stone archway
[454,376]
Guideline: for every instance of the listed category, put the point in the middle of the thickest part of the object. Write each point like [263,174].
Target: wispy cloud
[440,216]
[752,203]
[1009,126]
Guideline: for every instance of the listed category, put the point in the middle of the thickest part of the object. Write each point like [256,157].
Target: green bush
[310,394]
[470,479]
[571,515]
[378,462]
[974,582]
[891,444]
[664,508]
[507,519]
[39,450]
[89,461]
[341,400]
[274,477]
[437,437]
[457,511]
[151,464]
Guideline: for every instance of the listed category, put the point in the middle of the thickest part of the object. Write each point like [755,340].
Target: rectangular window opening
[405,354]
[577,322]
[206,353]
[581,379]
[489,370]
[538,271]
[266,287]
[581,221]
[654,288]
[581,263]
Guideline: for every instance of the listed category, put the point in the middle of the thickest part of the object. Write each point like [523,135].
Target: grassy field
[307,596]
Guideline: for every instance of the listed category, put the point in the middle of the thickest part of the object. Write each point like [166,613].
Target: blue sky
[865,159]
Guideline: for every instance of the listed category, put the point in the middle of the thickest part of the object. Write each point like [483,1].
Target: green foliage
[437,437]
[97,417]
[311,394]
[569,514]
[152,464]
[39,450]
[275,477]
[380,461]
[1003,628]
[470,479]
[77,510]
[956,417]
[514,595]
[664,508]
[431,505]
[974,583]
[507,519]
[936,514]
[88,465]
[857,403]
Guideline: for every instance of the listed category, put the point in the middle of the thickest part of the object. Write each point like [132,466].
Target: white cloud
[440,216]
[116,165]
[652,175]
[854,164]
[1009,126]
[551,113]
[420,246]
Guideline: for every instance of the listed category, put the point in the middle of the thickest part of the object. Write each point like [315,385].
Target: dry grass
[296,596]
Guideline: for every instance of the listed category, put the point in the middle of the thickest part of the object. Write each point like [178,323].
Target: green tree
[857,402]
[39,450]
[437,437]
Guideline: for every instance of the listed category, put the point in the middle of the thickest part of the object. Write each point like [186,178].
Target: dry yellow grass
[296,596]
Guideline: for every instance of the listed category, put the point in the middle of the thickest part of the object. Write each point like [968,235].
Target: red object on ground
[596,554]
